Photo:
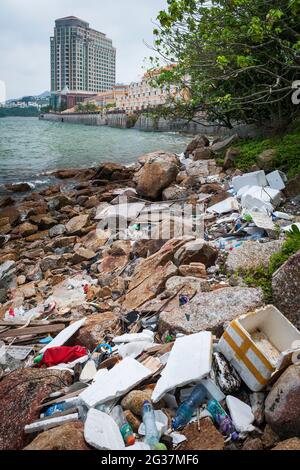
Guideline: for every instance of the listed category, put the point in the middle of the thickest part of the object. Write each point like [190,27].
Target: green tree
[236,59]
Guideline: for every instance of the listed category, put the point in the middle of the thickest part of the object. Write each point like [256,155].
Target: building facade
[109,97]
[143,95]
[83,60]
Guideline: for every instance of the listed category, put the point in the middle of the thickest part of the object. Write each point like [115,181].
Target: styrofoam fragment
[276,180]
[88,373]
[64,335]
[229,205]
[190,361]
[50,423]
[256,178]
[241,414]
[116,383]
[102,432]
[146,335]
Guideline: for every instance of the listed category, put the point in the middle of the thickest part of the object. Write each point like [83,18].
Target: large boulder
[158,172]
[19,187]
[95,330]
[198,142]
[282,406]
[21,394]
[252,255]
[75,225]
[196,251]
[286,289]
[211,310]
[63,438]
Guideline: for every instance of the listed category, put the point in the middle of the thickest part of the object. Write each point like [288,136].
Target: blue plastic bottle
[188,407]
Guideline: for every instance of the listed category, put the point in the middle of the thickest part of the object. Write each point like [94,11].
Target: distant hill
[43,96]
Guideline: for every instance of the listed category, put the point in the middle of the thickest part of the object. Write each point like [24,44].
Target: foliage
[287,149]
[86,108]
[261,277]
[131,120]
[237,59]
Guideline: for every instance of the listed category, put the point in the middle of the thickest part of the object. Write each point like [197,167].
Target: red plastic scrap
[62,355]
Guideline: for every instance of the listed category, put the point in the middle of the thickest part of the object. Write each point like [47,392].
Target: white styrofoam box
[241,414]
[263,199]
[190,361]
[256,178]
[102,432]
[249,359]
[277,180]
[115,383]
[64,335]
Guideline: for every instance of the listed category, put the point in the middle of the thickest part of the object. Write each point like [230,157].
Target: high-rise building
[83,60]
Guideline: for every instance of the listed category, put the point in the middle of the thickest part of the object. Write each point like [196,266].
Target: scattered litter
[229,205]
[256,178]
[44,425]
[62,355]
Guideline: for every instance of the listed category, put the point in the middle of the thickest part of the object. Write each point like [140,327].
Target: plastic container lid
[160,446]
[130,440]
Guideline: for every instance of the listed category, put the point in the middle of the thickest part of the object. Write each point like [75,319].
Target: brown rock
[146,248]
[95,329]
[209,188]
[106,170]
[134,401]
[157,174]
[286,289]
[231,155]
[27,229]
[18,187]
[68,437]
[66,174]
[196,251]
[253,444]
[6,201]
[30,387]
[289,444]
[38,236]
[51,262]
[112,263]
[58,202]
[12,214]
[193,270]
[292,188]
[282,406]
[198,142]
[75,225]
[82,254]
[266,159]
[43,221]
[208,438]
[204,153]
[64,242]
[91,202]
[269,437]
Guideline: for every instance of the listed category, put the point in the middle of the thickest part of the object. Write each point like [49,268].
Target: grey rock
[220,146]
[196,251]
[57,230]
[211,310]
[251,255]
[282,407]
[7,270]
[257,401]
[286,289]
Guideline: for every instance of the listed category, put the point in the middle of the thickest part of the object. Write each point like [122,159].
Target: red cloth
[62,355]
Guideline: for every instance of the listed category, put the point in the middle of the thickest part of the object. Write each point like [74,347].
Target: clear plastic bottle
[222,420]
[61,407]
[124,426]
[152,433]
[188,407]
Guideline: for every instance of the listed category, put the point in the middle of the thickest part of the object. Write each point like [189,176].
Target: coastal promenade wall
[150,124]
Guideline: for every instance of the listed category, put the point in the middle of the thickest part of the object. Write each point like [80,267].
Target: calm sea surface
[29,147]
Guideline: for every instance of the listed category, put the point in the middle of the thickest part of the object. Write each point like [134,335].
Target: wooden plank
[31,331]
[34,322]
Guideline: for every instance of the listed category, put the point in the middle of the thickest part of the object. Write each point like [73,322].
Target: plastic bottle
[152,433]
[188,407]
[125,428]
[222,420]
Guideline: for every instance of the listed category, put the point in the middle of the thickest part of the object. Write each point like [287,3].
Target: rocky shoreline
[58,267]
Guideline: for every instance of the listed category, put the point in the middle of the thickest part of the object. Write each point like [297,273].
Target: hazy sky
[26,26]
